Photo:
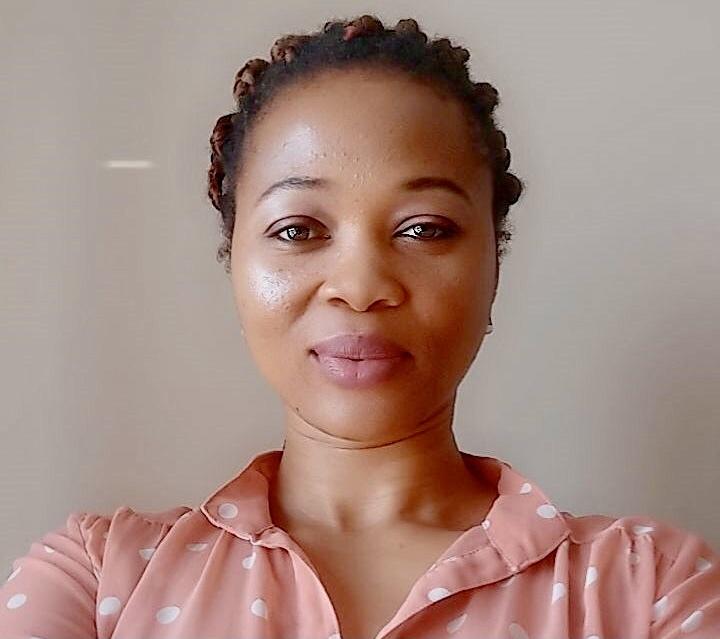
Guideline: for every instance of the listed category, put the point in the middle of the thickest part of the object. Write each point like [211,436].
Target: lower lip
[362,373]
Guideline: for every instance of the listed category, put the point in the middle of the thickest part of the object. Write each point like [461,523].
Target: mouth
[357,359]
[351,373]
[358,347]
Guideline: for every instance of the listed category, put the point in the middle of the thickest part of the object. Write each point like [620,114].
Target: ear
[497,279]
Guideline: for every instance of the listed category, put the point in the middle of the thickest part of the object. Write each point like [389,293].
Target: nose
[362,276]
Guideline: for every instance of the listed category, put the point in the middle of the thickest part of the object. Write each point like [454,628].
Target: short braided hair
[362,41]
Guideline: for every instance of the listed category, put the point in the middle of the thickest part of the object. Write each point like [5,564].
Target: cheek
[263,294]
[466,289]
[269,289]
[459,305]
[453,318]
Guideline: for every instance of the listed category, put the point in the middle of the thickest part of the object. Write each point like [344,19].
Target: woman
[363,188]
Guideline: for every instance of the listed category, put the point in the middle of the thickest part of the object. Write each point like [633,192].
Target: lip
[361,360]
[359,346]
[359,373]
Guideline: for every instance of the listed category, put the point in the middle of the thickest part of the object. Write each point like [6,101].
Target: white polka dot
[641,530]
[558,591]
[437,593]
[525,488]
[594,637]
[591,576]
[702,564]
[259,608]
[105,535]
[692,622]
[146,553]
[546,511]
[48,549]
[199,547]
[517,631]
[109,606]
[659,607]
[485,524]
[14,573]
[334,635]
[16,601]
[228,511]
[168,614]
[36,637]
[453,625]
[248,561]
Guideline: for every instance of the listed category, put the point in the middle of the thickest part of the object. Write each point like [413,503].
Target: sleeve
[51,591]
[687,598]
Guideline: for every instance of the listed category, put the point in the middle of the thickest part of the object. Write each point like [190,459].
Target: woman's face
[355,261]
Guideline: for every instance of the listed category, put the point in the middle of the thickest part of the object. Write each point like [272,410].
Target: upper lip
[359,346]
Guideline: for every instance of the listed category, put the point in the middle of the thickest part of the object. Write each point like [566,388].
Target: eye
[445,230]
[293,235]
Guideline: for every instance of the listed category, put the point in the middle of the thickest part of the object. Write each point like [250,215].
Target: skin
[382,458]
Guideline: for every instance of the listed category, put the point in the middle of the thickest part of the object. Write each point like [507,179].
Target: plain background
[124,376]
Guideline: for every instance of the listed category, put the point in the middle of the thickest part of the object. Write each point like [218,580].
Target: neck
[421,479]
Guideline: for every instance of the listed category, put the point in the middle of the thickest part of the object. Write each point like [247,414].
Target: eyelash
[447,231]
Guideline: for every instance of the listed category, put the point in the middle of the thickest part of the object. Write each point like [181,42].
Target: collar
[523,525]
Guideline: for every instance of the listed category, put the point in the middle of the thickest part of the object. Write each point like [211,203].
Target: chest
[368,577]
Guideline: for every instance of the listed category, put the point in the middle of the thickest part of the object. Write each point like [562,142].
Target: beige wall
[123,373]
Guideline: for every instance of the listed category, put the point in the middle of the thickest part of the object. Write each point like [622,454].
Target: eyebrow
[304,182]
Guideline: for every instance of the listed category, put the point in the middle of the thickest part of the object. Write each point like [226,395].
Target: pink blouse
[224,571]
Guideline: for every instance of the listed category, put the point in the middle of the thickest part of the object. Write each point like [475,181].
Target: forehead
[359,124]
